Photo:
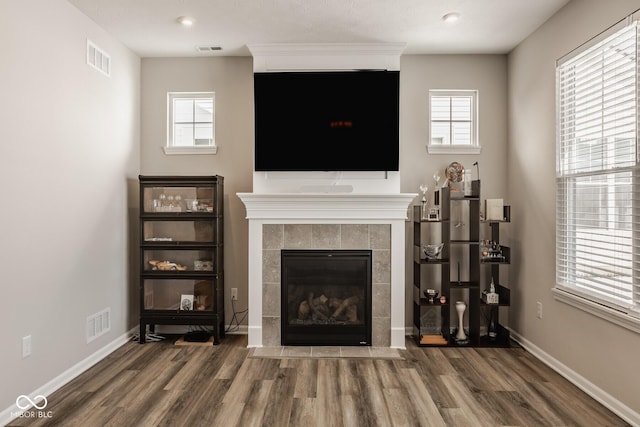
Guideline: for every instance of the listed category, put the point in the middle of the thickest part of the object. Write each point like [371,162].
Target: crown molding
[325,56]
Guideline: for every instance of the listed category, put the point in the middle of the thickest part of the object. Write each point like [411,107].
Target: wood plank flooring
[160,384]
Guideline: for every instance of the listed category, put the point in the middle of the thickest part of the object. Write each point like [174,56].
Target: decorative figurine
[431,294]
[454,173]
[432,251]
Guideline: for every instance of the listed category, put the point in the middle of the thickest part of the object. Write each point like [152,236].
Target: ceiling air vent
[98,58]
[205,49]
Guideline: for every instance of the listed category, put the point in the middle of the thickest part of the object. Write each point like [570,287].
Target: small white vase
[461,306]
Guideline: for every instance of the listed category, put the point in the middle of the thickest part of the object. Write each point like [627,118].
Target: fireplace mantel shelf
[327,206]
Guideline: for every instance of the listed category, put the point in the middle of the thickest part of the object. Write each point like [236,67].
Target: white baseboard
[610,402]
[10,413]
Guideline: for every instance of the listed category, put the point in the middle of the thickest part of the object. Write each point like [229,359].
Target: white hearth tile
[328,351]
[355,352]
[294,351]
[267,352]
[384,353]
[324,352]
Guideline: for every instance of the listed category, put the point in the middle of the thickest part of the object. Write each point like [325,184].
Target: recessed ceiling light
[187,21]
[450,18]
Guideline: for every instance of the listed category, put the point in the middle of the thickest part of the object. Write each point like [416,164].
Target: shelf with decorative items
[464,287]
[464,318]
[431,270]
[495,255]
[447,237]
[182,253]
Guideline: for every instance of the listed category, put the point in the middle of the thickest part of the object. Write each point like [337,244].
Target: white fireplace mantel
[320,208]
[323,207]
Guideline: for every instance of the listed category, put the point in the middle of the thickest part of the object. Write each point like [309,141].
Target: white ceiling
[149,27]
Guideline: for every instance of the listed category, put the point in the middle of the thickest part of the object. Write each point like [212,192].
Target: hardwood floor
[161,384]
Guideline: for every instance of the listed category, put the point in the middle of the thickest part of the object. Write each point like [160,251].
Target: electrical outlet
[539,314]
[234,294]
[26,346]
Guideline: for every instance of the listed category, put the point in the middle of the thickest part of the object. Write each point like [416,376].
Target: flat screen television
[327,121]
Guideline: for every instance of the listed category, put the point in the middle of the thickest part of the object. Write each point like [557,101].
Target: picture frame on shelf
[494,209]
[186,302]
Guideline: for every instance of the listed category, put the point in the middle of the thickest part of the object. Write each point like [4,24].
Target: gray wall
[419,74]
[601,352]
[68,164]
[231,78]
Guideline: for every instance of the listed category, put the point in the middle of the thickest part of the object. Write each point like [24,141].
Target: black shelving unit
[461,251]
[182,252]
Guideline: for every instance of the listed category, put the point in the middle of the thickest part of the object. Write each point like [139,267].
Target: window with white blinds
[453,122]
[597,218]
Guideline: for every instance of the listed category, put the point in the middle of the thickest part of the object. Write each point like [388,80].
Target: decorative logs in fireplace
[323,309]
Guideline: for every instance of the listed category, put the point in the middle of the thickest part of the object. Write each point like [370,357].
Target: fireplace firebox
[326,297]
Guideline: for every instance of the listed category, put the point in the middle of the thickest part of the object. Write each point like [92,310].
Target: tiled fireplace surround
[376,237]
[327,221]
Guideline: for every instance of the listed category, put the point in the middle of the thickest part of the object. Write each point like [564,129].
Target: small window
[453,122]
[190,123]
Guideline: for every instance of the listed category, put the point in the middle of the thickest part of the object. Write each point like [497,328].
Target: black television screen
[327,121]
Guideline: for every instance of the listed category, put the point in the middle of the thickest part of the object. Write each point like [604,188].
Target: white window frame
[169,148]
[583,296]
[474,146]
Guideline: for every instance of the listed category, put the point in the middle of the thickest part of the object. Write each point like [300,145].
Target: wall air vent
[98,324]
[205,49]
[98,59]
